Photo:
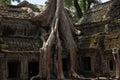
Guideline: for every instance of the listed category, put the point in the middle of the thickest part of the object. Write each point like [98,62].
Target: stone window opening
[13,69]
[111,65]
[86,62]
[33,68]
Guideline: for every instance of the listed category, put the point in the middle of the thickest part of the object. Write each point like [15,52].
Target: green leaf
[68,3]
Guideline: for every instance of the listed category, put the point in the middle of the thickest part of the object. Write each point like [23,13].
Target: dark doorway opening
[13,69]
[33,68]
[65,64]
[111,65]
[86,62]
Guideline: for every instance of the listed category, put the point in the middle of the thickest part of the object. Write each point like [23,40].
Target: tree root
[35,77]
[76,76]
[62,28]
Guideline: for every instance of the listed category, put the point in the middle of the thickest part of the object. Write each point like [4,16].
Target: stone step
[100,78]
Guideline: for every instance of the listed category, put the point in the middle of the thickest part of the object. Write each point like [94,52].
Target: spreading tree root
[56,17]
[35,77]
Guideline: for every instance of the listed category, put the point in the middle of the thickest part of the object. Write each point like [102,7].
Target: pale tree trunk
[56,17]
[117,62]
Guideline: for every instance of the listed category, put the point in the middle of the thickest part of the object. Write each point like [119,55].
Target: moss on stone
[110,41]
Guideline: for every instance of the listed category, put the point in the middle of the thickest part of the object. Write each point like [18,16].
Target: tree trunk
[84,5]
[78,9]
[56,17]
[89,4]
[116,58]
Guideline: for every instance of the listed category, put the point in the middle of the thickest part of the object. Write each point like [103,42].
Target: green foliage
[89,3]
[41,7]
[70,7]
[7,2]
[68,3]
[81,4]
[4,2]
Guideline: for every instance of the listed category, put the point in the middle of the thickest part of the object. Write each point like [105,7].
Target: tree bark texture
[116,58]
[56,17]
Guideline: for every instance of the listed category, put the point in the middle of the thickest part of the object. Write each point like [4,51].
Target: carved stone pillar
[1,68]
[4,68]
[24,68]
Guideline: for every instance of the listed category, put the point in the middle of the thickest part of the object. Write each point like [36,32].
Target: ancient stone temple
[100,39]
[98,44]
[19,42]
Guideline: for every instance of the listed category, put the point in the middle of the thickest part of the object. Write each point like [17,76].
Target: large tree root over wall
[56,17]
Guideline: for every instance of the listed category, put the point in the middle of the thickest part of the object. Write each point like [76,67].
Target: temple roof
[102,12]
[24,10]
[97,18]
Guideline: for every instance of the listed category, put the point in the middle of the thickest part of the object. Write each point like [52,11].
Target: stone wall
[93,63]
[24,59]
